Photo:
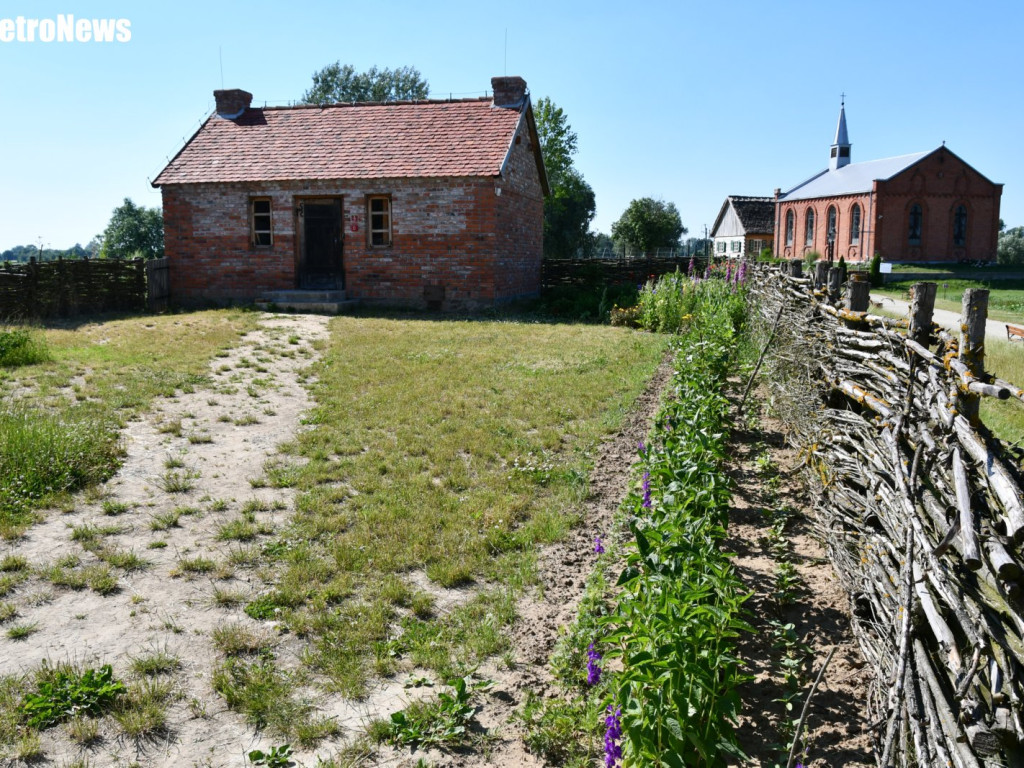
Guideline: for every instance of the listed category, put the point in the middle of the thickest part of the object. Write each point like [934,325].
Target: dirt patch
[836,730]
[193,465]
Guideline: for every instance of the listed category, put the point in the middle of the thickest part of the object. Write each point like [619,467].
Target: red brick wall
[938,183]
[456,233]
[844,218]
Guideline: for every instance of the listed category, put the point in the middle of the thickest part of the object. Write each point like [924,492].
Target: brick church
[923,207]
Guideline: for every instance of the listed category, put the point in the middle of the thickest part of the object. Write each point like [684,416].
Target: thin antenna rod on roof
[505,72]
[220,55]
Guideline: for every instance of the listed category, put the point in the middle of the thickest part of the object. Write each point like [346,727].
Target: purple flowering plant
[613,738]
[598,546]
[593,666]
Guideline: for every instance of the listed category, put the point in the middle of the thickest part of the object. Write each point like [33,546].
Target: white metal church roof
[851,179]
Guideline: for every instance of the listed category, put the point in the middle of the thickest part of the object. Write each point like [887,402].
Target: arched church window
[960,225]
[790,227]
[809,228]
[914,225]
[855,225]
[833,223]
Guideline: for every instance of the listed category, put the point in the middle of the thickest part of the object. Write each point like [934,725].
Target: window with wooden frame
[378,215]
[735,246]
[261,227]
[720,247]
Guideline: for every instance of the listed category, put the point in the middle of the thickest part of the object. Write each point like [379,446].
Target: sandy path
[227,432]
[995,330]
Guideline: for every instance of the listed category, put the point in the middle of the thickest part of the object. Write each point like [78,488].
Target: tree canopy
[1011,246]
[134,231]
[570,206]
[647,224]
[337,83]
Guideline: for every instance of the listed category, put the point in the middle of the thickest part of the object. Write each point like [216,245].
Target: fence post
[820,274]
[922,305]
[974,313]
[835,281]
[859,293]
[796,267]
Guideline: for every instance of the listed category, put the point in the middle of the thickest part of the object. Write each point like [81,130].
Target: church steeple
[840,154]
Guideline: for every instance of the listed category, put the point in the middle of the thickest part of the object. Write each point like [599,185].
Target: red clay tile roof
[348,141]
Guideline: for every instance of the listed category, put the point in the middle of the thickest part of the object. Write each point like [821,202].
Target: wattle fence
[65,288]
[920,507]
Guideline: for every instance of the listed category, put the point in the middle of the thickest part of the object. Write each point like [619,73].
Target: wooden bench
[1014,331]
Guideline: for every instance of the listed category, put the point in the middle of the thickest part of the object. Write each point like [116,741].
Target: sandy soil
[254,403]
[836,731]
[227,431]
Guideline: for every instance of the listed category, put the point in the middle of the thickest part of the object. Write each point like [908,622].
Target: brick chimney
[508,91]
[232,102]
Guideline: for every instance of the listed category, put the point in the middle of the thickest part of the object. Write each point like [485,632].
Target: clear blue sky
[686,101]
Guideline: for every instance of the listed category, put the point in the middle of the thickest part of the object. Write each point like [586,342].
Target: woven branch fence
[64,288]
[918,504]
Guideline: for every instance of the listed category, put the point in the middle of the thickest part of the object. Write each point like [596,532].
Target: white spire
[840,154]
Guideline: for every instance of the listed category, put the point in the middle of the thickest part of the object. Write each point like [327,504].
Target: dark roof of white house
[756,214]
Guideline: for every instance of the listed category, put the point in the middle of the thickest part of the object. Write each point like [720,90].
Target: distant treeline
[24,253]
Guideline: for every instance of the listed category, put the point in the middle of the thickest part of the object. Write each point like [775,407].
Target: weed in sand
[22,630]
[10,581]
[63,691]
[13,564]
[7,612]
[127,561]
[115,507]
[159,544]
[228,598]
[171,428]
[165,520]
[243,530]
[173,481]
[158,662]
[174,462]
[83,730]
[200,438]
[238,640]
[142,711]
[194,566]
[218,505]
[246,420]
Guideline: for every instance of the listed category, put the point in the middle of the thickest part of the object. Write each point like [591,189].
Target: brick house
[923,207]
[425,203]
[744,226]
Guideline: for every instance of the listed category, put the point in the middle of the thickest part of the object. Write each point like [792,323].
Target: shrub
[811,258]
[876,270]
[20,347]
[668,304]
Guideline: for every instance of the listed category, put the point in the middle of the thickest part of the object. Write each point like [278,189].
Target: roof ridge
[396,103]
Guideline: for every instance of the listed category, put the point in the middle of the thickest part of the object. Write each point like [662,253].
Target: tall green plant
[680,609]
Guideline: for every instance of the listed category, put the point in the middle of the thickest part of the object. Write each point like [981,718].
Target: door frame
[300,236]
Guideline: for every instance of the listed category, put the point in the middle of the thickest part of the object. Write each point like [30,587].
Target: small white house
[744,227]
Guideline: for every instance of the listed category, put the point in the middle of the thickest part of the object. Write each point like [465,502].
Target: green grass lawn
[449,448]
[966,270]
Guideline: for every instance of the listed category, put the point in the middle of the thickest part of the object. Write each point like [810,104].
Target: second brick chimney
[232,102]
[508,91]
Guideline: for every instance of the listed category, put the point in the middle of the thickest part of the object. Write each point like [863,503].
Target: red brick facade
[940,184]
[456,241]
